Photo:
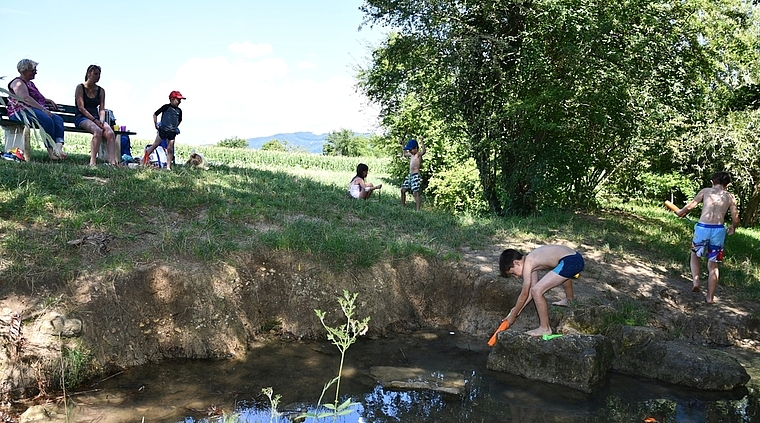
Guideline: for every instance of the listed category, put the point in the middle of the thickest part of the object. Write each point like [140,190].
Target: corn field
[245,157]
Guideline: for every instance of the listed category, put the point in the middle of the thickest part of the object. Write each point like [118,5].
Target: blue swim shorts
[412,182]
[708,241]
[570,266]
[79,120]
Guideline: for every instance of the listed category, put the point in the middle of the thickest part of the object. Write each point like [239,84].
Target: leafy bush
[274,145]
[347,143]
[233,142]
[657,187]
[458,189]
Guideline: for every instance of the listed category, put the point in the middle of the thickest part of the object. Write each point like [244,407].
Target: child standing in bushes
[413,181]
[168,129]
[710,232]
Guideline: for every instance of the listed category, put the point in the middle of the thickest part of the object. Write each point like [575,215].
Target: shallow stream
[200,391]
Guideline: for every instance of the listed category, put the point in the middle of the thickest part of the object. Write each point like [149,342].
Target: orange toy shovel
[503,326]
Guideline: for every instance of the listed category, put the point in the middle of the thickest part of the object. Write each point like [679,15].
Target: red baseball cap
[177,94]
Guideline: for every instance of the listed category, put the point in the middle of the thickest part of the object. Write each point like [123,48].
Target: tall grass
[292,202]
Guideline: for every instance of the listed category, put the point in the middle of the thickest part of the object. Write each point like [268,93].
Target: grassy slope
[296,203]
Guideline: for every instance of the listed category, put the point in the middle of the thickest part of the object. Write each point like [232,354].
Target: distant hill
[307,140]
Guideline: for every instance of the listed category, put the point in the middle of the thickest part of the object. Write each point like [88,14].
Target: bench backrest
[65,111]
[3,109]
[68,113]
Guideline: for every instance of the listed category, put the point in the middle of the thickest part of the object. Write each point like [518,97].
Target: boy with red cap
[168,128]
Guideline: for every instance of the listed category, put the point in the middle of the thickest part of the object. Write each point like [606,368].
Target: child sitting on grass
[358,187]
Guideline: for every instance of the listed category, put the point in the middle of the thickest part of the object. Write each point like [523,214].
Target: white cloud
[249,50]
[243,97]
[306,65]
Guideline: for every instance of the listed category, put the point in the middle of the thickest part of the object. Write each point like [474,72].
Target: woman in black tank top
[90,99]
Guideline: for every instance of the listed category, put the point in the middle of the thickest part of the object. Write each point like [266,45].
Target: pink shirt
[15,106]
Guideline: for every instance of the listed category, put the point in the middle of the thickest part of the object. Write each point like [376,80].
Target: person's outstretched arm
[689,207]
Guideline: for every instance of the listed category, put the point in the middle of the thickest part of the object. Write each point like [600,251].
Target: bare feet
[560,303]
[695,288]
[58,151]
[539,332]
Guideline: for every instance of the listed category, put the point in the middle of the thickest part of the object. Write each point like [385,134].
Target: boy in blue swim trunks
[565,264]
[709,232]
[413,182]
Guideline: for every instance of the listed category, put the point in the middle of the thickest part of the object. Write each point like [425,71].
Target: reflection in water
[192,391]
[412,407]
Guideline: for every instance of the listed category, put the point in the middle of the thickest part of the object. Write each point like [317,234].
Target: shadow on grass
[206,215]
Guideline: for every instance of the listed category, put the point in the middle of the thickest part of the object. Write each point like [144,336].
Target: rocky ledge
[583,361]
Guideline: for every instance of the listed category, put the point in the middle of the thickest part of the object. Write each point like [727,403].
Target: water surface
[200,391]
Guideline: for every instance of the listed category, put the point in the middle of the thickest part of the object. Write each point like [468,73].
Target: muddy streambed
[202,391]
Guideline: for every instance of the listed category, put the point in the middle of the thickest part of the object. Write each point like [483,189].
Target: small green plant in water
[274,401]
[230,418]
[342,336]
[75,360]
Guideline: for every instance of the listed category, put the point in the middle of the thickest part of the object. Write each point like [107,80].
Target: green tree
[733,145]
[346,143]
[554,99]
[234,142]
[274,145]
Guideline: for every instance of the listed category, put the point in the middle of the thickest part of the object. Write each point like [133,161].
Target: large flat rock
[577,361]
[416,379]
[649,352]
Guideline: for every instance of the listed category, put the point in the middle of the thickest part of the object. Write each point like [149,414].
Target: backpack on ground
[158,157]
[126,146]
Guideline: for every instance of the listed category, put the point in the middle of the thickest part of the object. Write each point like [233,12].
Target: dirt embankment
[192,310]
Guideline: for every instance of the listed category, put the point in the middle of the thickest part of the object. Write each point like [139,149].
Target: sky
[248,68]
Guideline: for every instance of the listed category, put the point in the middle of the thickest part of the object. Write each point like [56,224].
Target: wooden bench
[18,135]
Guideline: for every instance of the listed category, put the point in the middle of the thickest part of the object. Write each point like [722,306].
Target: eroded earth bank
[101,323]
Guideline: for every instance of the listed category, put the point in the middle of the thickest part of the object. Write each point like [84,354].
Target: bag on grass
[158,157]
[126,146]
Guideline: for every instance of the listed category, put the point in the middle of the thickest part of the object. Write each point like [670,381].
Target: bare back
[546,257]
[716,201]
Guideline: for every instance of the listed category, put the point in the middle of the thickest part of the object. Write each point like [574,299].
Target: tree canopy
[347,143]
[233,142]
[558,101]
[275,145]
